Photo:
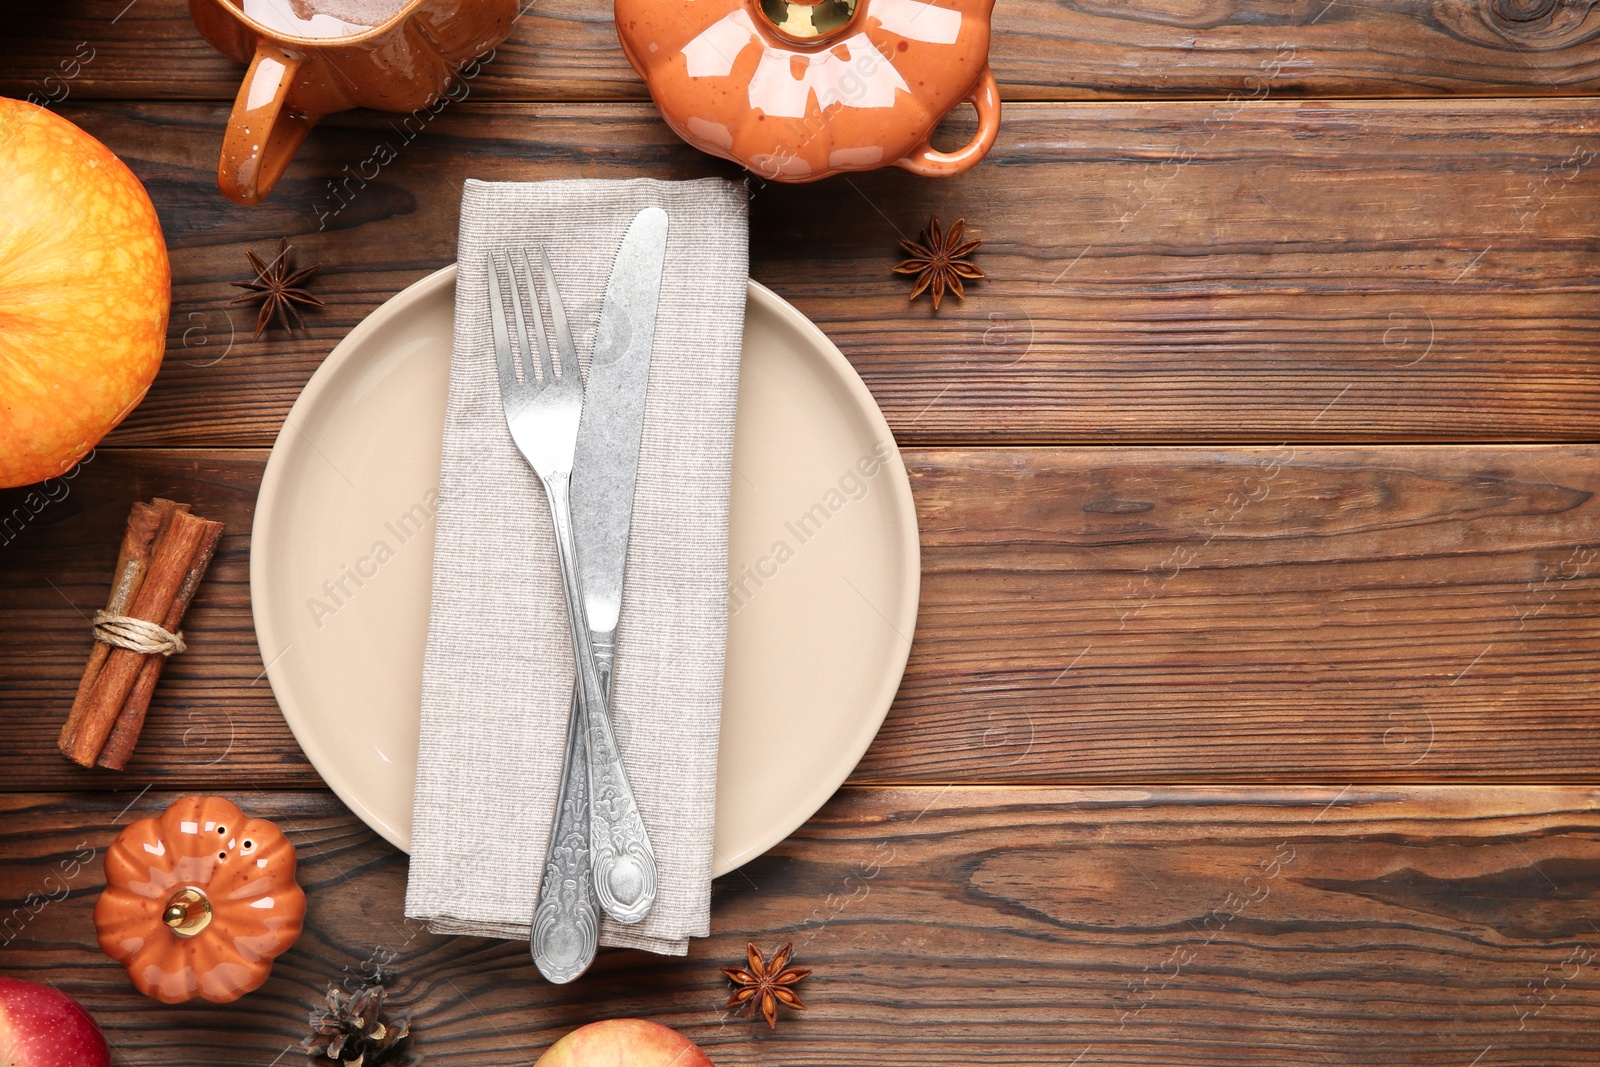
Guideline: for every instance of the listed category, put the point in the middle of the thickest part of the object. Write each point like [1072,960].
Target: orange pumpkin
[796,90]
[200,901]
[84,293]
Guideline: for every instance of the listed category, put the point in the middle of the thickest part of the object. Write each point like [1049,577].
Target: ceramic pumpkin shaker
[199,901]
[796,90]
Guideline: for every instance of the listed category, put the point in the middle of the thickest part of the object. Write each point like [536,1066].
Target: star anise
[767,984]
[278,288]
[941,262]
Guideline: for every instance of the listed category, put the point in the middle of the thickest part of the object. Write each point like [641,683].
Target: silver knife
[602,850]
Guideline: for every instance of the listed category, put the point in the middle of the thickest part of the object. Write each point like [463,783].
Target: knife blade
[564,933]
[612,425]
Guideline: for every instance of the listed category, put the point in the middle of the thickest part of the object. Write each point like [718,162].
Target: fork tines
[522,287]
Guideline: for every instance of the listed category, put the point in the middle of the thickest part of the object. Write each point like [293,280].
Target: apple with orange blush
[85,289]
[624,1043]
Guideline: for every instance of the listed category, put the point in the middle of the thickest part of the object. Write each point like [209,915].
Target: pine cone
[354,1031]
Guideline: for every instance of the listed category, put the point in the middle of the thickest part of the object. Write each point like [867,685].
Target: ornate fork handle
[566,923]
[624,864]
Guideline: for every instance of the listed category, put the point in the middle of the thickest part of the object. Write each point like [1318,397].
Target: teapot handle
[930,162]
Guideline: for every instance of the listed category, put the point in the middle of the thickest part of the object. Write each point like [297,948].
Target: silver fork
[542,411]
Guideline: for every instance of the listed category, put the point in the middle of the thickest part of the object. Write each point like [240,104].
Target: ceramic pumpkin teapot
[200,901]
[796,90]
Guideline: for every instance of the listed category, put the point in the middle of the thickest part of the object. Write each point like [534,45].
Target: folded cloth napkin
[497,677]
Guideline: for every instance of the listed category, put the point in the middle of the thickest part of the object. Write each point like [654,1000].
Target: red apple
[624,1043]
[84,293]
[43,1027]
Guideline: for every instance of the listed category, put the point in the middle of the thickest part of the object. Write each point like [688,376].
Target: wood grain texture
[1157,273]
[1042,50]
[1292,613]
[1422,926]
[1094,615]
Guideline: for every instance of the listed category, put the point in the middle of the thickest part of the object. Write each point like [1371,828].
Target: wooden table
[1251,713]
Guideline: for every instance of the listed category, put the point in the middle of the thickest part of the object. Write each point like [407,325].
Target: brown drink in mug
[310,58]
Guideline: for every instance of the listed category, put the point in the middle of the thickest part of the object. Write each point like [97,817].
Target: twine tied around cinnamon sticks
[125,631]
[165,552]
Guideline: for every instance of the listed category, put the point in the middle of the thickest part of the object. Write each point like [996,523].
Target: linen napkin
[498,673]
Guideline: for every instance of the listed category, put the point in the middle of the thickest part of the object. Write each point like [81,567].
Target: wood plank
[1423,926]
[1284,614]
[1308,614]
[1316,272]
[1042,50]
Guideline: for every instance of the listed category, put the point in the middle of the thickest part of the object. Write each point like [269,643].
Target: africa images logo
[340,590]
[850,486]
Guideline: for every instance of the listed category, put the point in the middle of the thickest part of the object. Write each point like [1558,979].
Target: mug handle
[262,134]
[930,162]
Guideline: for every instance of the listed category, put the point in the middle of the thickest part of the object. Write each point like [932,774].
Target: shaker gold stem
[187,912]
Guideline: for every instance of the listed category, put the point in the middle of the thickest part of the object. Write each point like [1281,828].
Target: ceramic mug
[796,90]
[310,58]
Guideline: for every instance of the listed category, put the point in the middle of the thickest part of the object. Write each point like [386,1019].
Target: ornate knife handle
[566,925]
[623,865]
[624,862]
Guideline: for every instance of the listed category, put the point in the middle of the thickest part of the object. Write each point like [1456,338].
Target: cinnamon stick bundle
[165,552]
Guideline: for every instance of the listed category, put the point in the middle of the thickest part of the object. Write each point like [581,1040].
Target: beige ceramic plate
[824,563]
